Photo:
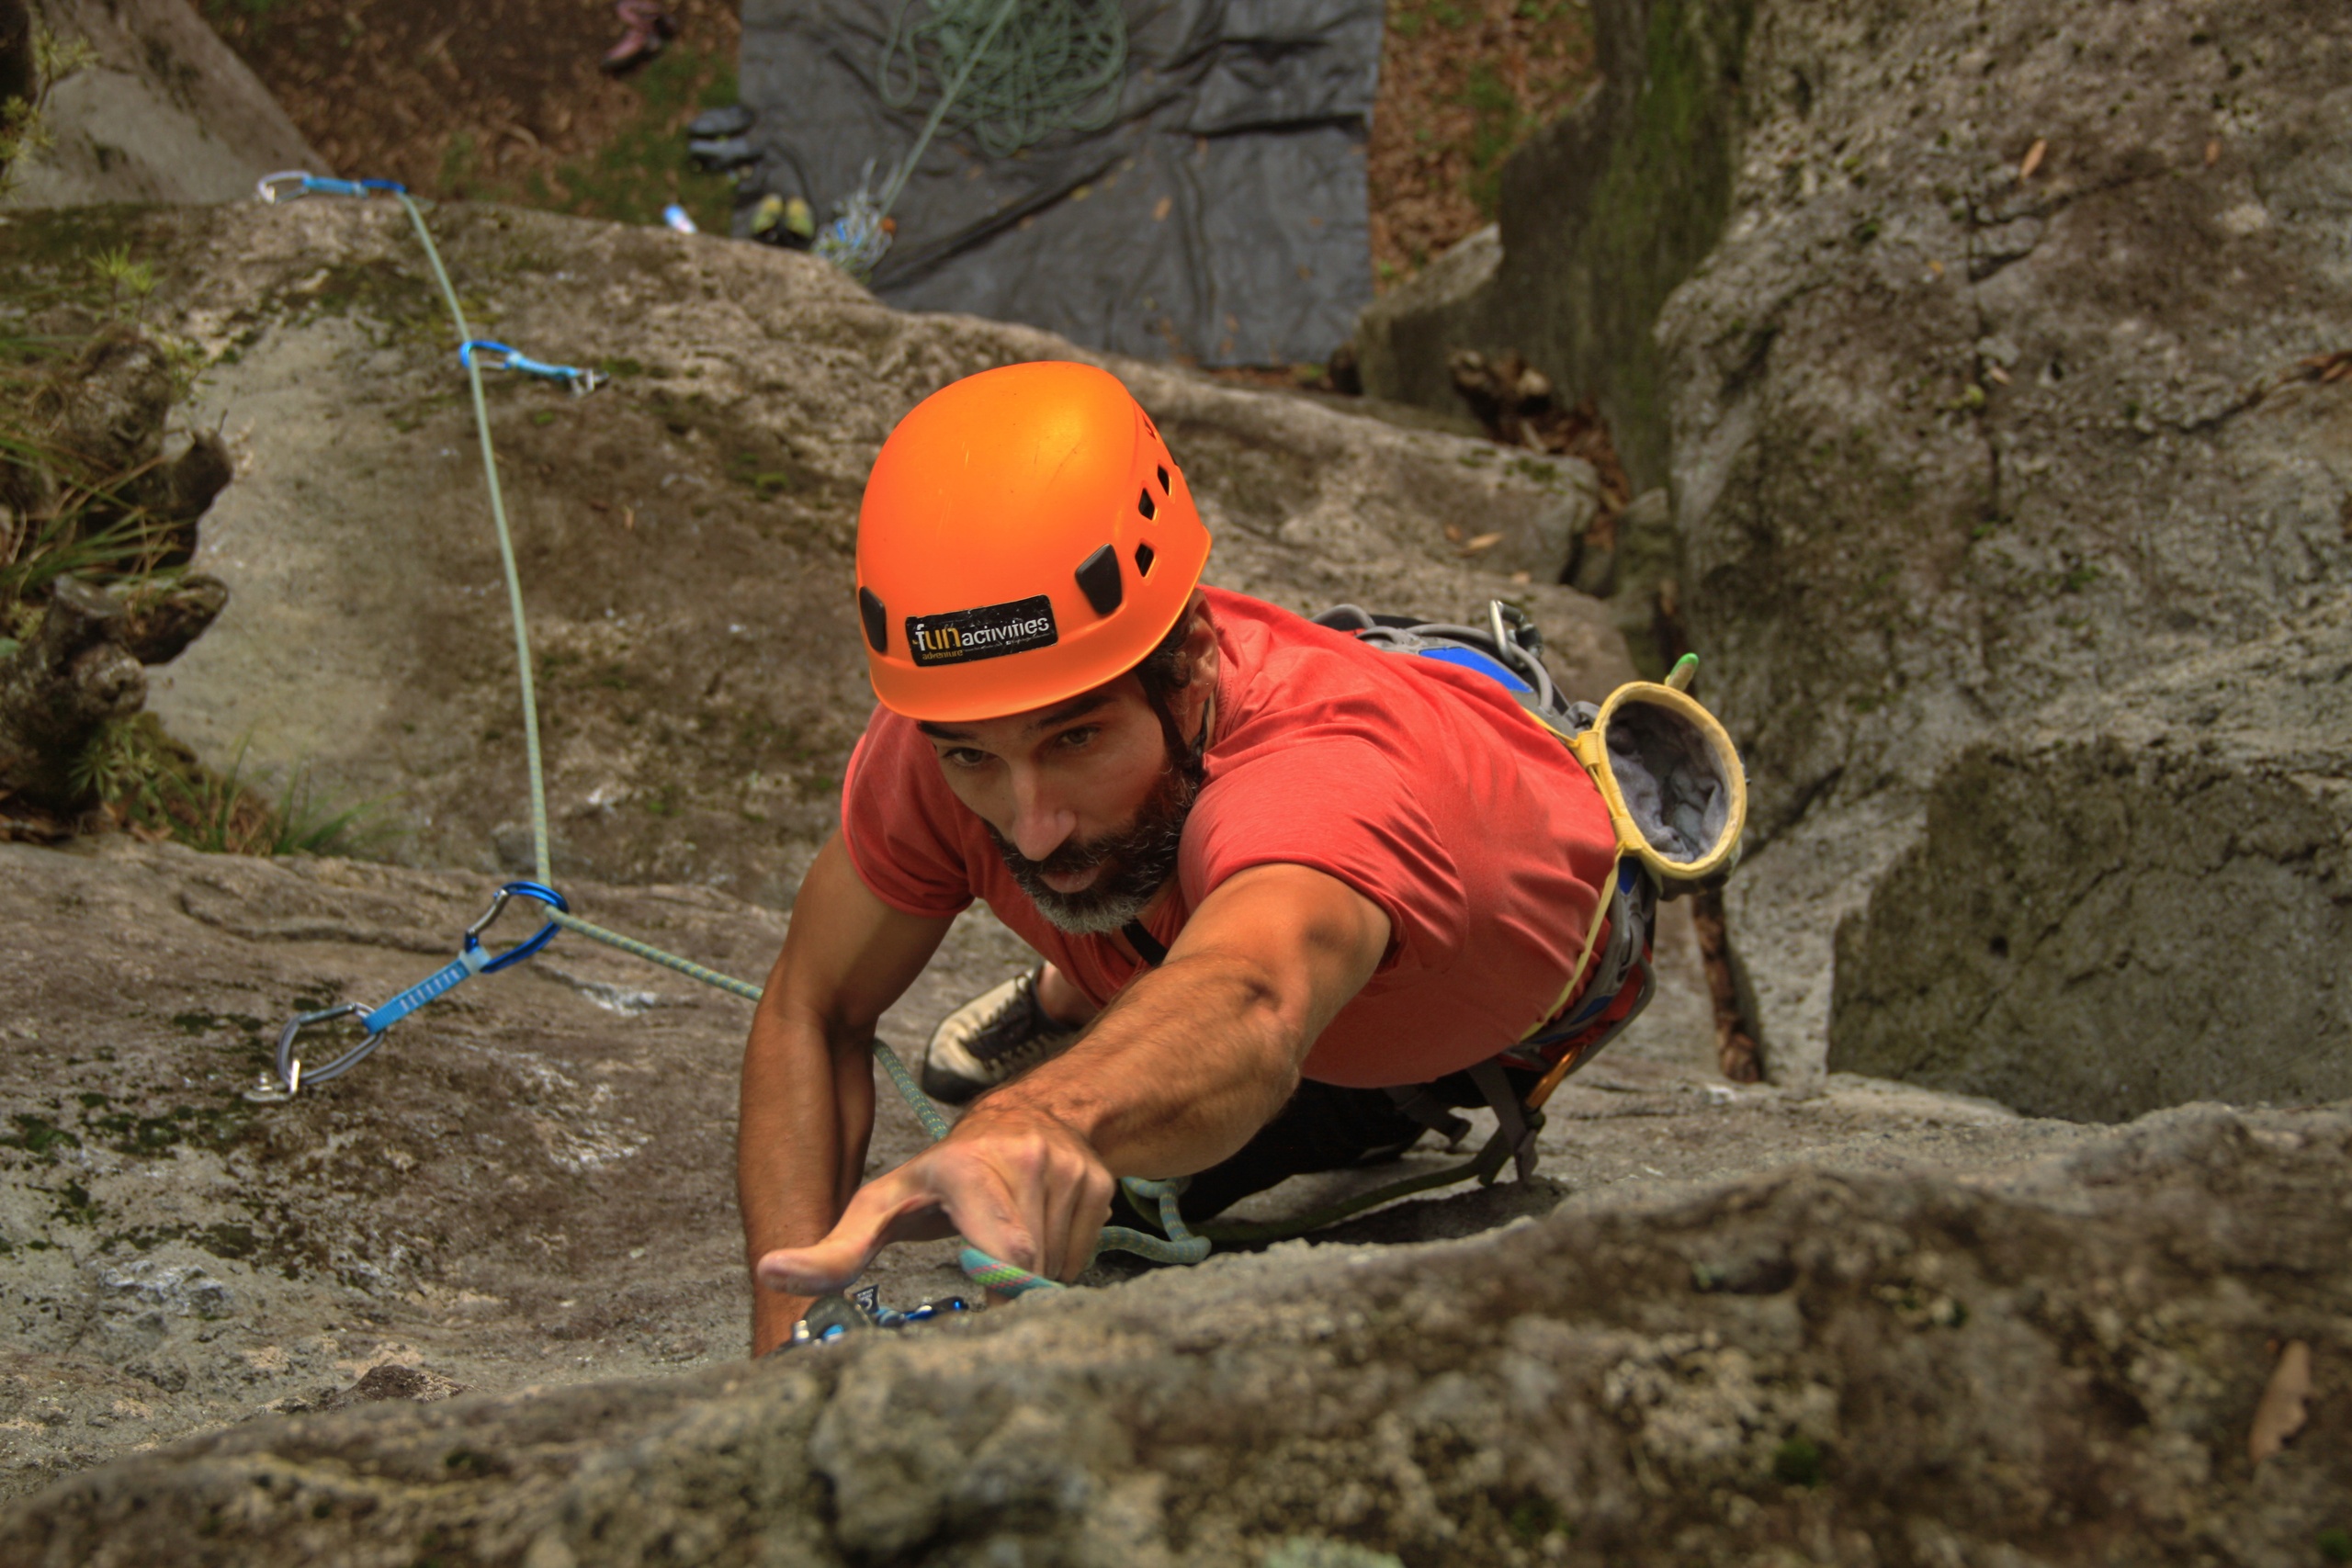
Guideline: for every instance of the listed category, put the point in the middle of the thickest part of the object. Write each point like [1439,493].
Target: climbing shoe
[991,1039]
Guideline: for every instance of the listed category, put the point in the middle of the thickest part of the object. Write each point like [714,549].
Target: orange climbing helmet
[1025,536]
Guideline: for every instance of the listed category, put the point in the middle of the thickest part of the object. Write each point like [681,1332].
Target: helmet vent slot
[1163,480]
[1143,561]
[1098,579]
[1144,504]
[876,618]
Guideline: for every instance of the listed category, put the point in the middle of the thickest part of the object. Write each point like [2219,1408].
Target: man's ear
[1198,654]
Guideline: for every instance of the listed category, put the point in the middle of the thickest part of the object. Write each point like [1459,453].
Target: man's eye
[967,757]
[1072,740]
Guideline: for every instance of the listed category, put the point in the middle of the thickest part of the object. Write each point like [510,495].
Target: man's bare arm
[1177,1074]
[808,1098]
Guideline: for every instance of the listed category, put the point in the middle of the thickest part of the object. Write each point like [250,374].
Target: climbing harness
[1021,70]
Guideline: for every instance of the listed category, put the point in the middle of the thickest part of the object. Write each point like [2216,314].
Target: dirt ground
[504,100]
[496,99]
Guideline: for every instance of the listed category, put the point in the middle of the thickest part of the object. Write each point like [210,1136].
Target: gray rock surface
[1965,457]
[683,533]
[531,1182]
[1986,472]
[164,112]
[2061,1367]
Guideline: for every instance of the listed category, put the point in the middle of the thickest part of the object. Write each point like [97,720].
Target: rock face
[2182,841]
[2016,521]
[164,112]
[531,1182]
[1858,1370]
[2004,404]
[683,533]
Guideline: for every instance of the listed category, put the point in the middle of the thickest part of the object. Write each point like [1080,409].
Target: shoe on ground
[991,1040]
[734,119]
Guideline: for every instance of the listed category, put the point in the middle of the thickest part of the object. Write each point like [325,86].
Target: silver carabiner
[287,1082]
[268,186]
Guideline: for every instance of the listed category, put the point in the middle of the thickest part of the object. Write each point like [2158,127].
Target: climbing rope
[1178,1245]
[1021,70]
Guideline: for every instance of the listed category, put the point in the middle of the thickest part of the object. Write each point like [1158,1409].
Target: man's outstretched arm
[807,1104]
[1179,1072]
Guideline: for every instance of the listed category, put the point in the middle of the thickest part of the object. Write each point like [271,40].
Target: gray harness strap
[1417,1102]
[1511,1120]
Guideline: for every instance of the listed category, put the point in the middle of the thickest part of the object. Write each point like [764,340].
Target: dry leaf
[2212,153]
[2033,156]
[1453,532]
[1937,267]
[2280,1415]
[1160,208]
[629,517]
[1522,578]
[1994,373]
[1483,542]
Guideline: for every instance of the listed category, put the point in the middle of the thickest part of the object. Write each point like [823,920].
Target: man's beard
[1136,860]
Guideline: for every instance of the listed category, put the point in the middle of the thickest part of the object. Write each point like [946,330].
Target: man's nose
[1041,822]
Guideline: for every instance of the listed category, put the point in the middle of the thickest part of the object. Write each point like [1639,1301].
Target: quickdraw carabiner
[472,959]
[292,185]
[492,356]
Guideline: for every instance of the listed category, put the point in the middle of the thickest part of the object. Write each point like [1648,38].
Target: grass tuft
[157,788]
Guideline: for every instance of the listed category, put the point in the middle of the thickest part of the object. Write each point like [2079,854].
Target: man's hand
[1016,1183]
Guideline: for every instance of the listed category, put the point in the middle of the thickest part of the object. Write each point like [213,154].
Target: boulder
[2008,481]
[1800,1366]
[163,111]
[683,533]
[2003,371]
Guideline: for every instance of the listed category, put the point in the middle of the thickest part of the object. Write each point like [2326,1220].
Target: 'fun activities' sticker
[989,632]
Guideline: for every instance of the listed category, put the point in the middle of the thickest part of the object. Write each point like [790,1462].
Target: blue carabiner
[467,349]
[530,945]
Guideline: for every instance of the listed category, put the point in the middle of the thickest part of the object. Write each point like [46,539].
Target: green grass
[1496,129]
[150,782]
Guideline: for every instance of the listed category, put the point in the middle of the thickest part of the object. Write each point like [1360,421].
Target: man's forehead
[1033,723]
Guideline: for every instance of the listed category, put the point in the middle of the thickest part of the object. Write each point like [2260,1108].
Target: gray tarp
[1220,215]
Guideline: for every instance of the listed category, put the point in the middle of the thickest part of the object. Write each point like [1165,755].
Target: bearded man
[1288,892]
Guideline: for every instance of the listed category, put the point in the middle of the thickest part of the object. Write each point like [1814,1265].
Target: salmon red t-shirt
[1420,785]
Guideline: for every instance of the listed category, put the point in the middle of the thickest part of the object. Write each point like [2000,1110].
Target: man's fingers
[883,1212]
[1089,1212]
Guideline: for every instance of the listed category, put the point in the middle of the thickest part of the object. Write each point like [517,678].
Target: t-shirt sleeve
[901,840]
[1339,806]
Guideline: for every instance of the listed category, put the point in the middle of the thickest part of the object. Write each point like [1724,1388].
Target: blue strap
[510,358]
[440,982]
